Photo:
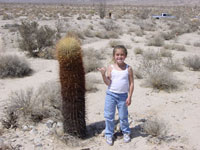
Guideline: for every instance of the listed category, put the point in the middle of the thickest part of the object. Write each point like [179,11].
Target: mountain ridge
[133,2]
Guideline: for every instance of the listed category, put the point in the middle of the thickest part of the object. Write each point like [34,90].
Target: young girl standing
[120,82]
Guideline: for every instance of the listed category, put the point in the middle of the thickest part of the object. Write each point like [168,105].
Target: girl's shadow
[95,129]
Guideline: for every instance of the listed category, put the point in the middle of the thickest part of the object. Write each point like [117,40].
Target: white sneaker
[109,141]
[127,138]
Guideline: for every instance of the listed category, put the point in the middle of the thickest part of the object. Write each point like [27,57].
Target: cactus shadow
[95,129]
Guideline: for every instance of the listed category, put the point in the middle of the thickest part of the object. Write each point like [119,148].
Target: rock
[49,123]
[25,128]
[34,131]
[59,129]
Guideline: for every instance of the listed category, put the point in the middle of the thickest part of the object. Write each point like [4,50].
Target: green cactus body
[72,78]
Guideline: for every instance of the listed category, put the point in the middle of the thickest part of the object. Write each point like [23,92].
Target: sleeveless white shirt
[119,81]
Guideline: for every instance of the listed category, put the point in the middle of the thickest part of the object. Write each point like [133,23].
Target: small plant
[193,62]
[165,53]
[156,41]
[155,128]
[13,66]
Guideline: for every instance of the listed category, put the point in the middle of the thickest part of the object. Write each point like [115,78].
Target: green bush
[13,66]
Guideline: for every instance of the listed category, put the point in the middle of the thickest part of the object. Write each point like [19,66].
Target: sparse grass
[193,62]
[14,66]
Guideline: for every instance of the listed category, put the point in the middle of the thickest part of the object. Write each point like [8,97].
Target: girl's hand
[128,101]
[102,70]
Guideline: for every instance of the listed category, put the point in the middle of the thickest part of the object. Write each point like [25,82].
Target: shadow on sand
[97,128]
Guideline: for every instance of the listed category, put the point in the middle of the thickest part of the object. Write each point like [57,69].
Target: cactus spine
[72,78]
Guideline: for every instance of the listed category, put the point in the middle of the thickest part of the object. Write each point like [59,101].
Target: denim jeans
[112,101]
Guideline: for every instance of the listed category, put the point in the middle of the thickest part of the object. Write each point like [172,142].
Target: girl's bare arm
[131,86]
[106,78]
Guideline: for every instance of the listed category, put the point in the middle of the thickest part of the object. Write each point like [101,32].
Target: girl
[120,82]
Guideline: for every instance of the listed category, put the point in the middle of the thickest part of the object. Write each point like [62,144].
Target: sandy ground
[180,110]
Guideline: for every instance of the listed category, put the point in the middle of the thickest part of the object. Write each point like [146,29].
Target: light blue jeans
[112,101]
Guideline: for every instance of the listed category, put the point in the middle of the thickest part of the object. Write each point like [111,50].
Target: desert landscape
[164,54]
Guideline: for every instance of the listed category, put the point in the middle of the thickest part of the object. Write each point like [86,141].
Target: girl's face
[119,56]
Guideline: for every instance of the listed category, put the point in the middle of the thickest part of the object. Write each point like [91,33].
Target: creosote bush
[33,105]
[35,38]
[193,62]
[156,74]
[14,66]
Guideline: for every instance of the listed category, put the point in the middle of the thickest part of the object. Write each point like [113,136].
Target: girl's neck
[121,66]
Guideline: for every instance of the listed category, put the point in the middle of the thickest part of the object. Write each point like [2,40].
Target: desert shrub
[168,35]
[179,47]
[139,32]
[112,34]
[138,50]
[197,44]
[91,82]
[193,62]
[165,53]
[175,47]
[155,128]
[35,105]
[110,25]
[13,66]
[47,53]
[156,41]
[91,59]
[172,65]
[156,75]
[102,9]
[88,33]
[160,78]
[114,43]
[143,14]
[33,38]
[151,54]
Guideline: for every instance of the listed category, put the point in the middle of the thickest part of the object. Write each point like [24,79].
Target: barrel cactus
[72,78]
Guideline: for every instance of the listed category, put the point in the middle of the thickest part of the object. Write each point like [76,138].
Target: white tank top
[119,81]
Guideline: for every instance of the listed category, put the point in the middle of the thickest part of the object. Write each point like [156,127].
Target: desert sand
[179,110]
